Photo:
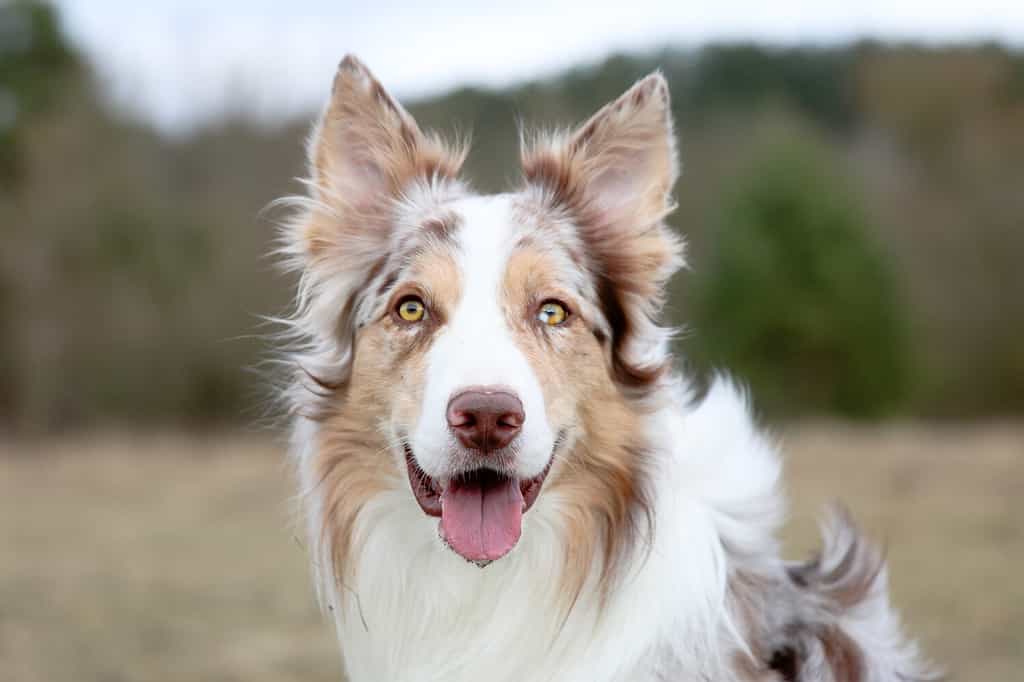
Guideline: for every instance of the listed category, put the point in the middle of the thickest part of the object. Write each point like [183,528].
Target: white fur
[476,347]
[417,612]
[873,623]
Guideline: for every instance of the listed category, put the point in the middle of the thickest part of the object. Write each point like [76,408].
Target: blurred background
[853,201]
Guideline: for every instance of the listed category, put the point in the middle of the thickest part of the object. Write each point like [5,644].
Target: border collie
[502,476]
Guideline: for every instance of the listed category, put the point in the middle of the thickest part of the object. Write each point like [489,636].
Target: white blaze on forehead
[476,347]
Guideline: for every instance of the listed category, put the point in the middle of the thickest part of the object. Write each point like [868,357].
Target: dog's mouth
[480,510]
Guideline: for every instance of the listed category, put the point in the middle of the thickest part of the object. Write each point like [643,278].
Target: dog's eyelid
[406,290]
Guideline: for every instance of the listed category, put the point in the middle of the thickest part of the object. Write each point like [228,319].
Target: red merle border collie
[503,478]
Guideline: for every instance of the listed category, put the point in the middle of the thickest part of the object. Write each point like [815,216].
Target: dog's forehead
[484,233]
[490,219]
[484,238]
[489,230]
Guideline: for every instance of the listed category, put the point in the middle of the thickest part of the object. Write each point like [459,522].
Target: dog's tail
[828,619]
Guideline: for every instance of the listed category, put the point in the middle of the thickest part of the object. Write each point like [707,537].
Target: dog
[501,474]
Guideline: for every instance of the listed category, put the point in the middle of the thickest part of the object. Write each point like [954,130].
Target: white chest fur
[416,612]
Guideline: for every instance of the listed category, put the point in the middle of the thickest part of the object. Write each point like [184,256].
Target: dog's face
[488,336]
[485,341]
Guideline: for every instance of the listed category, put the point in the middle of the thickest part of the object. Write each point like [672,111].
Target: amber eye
[411,309]
[552,313]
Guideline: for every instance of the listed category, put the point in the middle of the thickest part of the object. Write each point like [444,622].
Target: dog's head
[480,350]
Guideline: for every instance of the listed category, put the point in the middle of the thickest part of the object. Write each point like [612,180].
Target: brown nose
[485,419]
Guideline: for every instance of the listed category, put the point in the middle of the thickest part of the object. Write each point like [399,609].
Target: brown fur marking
[354,460]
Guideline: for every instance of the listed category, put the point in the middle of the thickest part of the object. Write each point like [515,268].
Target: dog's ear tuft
[613,176]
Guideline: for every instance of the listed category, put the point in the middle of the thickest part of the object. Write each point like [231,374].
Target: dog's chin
[480,510]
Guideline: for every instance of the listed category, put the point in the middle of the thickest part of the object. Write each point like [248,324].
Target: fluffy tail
[828,619]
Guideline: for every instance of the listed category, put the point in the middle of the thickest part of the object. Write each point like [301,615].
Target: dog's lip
[428,490]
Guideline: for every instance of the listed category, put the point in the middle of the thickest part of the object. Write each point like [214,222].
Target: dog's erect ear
[620,165]
[613,177]
[367,148]
[367,158]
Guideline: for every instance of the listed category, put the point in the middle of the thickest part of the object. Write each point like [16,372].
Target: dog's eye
[552,313]
[411,309]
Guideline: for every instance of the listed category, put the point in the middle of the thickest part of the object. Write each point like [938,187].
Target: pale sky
[179,62]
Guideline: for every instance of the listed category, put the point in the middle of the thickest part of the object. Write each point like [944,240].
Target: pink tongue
[481,520]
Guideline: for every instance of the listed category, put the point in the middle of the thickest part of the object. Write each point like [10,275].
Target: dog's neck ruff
[413,610]
[708,599]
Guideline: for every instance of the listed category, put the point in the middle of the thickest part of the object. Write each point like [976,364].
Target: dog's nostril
[512,420]
[460,419]
[485,419]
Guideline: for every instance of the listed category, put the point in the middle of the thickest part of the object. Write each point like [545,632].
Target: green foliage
[133,268]
[796,299]
[34,59]
[816,82]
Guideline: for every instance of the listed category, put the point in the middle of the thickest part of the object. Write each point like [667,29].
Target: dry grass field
[170,557]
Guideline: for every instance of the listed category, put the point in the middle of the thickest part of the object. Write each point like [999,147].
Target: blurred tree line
[855,218]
